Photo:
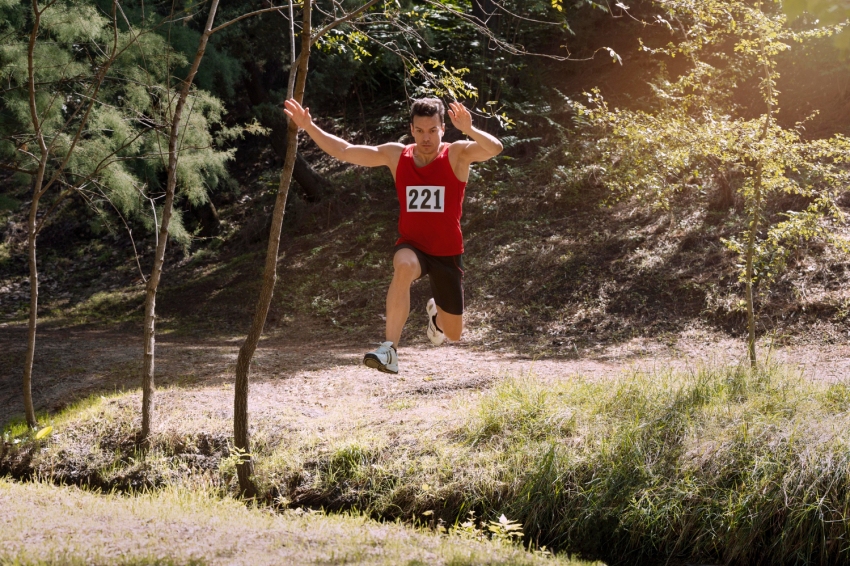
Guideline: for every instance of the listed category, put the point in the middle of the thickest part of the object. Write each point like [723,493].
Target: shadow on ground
[73,363]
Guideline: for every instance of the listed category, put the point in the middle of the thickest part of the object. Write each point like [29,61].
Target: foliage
[826,11]
[227,465]
[115,159]
[697,139]
[407,49]
[462,58]
[504,529]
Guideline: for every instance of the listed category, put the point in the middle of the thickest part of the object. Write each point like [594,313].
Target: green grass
[727,466]
[46,525]
[86,409]
[718,465]
[116,306]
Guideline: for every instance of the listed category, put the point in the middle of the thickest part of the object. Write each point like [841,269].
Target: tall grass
[722,465]
[725,465]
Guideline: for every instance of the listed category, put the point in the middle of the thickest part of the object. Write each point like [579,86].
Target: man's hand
[461,118]
[298,114]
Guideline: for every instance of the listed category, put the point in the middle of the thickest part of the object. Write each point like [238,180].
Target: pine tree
[83,112]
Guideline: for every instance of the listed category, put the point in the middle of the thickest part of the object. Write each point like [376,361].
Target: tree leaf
[43,433]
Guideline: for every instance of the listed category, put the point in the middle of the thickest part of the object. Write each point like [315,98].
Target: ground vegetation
[197,527]
[721,464]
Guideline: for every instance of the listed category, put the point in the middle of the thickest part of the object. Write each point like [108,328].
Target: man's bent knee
[406,264]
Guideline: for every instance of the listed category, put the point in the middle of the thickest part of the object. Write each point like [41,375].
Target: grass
[730,466]
[104,306]
[45,525]
[716,465]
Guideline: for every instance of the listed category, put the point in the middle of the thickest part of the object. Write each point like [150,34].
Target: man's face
[428,133]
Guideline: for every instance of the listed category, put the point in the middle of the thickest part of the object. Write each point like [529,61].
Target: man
[430,178]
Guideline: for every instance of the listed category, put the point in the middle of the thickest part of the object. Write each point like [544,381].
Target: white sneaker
[383,359]
[435,336]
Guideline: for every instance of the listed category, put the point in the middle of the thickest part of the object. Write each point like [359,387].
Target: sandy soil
[297,368]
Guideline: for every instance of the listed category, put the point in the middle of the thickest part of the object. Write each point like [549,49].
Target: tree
[64,125]
[179,167]
[83,114]
[297,83]
[697,134]
[174,138]
[257,47]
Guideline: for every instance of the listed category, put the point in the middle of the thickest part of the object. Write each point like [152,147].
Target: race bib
[425,198]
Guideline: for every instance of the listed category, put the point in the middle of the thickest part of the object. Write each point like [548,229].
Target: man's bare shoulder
[468,151]
[457,148]
[460,145]
[390,154]
[392,149]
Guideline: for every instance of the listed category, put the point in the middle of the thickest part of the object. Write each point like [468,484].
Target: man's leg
[450,324]
[446,308]
[406,270]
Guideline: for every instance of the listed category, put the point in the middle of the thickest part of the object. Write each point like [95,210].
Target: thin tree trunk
[32,234]
[756,212]
[751,246]
[241,435]
[159,257]
[315,186]
[40,188]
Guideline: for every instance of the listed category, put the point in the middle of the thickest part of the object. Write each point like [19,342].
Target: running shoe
[435,336]
[383,359]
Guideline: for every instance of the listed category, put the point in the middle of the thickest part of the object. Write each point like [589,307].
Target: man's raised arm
[483,145]
[365,155]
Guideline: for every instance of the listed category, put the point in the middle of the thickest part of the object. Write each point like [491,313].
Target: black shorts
[445,274]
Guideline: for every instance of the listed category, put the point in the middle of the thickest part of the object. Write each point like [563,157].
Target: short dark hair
[428,107]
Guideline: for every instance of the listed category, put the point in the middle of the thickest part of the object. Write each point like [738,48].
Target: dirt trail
[293,371]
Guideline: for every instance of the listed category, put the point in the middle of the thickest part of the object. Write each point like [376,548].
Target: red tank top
[431,200]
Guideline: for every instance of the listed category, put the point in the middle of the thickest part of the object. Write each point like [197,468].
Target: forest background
[671,168]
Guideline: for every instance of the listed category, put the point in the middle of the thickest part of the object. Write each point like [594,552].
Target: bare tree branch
[342,20]
[500,43]
[17,169]
[129,230]
[515,15]
[243,16]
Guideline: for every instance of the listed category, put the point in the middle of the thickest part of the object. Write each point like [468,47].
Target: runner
[430,179]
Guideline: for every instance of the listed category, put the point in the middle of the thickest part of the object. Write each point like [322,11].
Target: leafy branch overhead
[421,35]
[828,12]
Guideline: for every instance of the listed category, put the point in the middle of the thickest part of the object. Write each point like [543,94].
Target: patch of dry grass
[44,524]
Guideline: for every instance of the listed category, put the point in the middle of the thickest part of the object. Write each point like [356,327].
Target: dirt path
[293,369]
